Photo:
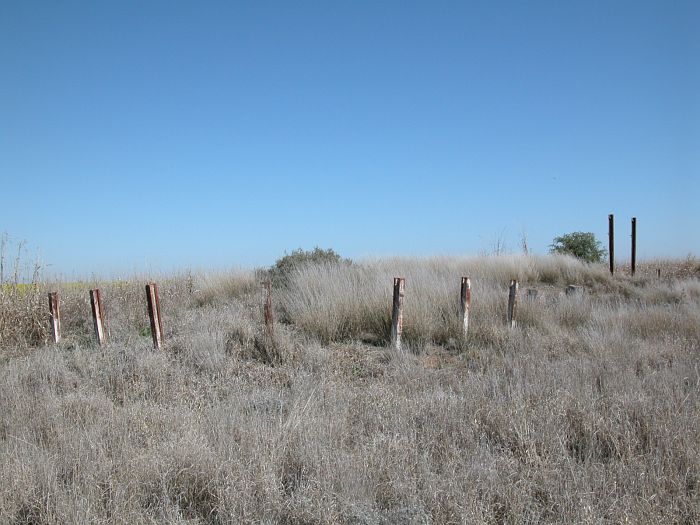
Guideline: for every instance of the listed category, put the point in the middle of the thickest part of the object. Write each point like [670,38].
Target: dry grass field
[587,412]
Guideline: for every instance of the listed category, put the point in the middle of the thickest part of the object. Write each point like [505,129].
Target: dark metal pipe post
[611,242]
[634,245]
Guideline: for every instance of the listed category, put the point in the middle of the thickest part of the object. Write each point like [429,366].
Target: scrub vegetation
[582,245]
[587,412]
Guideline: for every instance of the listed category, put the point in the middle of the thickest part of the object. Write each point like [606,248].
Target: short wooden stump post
[512,302]
[397,313]
[98,316]
[465,302]
[154,315]
[55,316]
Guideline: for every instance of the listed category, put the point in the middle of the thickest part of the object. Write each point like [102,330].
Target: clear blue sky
[168,134]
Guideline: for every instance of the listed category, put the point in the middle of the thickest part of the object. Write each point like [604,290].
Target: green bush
[285,265]
[582,245]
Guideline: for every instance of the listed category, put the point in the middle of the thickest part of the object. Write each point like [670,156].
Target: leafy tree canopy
[582,245]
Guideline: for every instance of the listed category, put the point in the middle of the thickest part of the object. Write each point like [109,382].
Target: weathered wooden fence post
[154,314]
[512,300]
[397,313]
[98,315]
[634,245]
[465,302]
[611,242]
[267,306]
[55,316]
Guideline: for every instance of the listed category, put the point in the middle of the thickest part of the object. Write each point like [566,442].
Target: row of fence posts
[98,315]
[465,300]
[156,319]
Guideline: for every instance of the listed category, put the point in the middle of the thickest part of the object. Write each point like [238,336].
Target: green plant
[299,258]
[582,245]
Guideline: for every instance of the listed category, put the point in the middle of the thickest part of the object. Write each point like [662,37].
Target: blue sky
[163,135]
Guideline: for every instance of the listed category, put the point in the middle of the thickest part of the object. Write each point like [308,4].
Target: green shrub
[582,245]
[298,258]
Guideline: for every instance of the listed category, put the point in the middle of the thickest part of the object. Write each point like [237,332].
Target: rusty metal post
[634,245]
[512,300]
[267,306]
[55,316]
[465,303]
[397,313]
[154,315]
[98,316]
[611,242]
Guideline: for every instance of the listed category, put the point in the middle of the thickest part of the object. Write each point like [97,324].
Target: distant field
[588,411]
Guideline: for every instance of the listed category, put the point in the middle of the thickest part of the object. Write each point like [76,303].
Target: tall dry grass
[337,302]
[587,412]
[24,307]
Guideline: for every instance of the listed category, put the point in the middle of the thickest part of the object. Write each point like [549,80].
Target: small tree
[582,245]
